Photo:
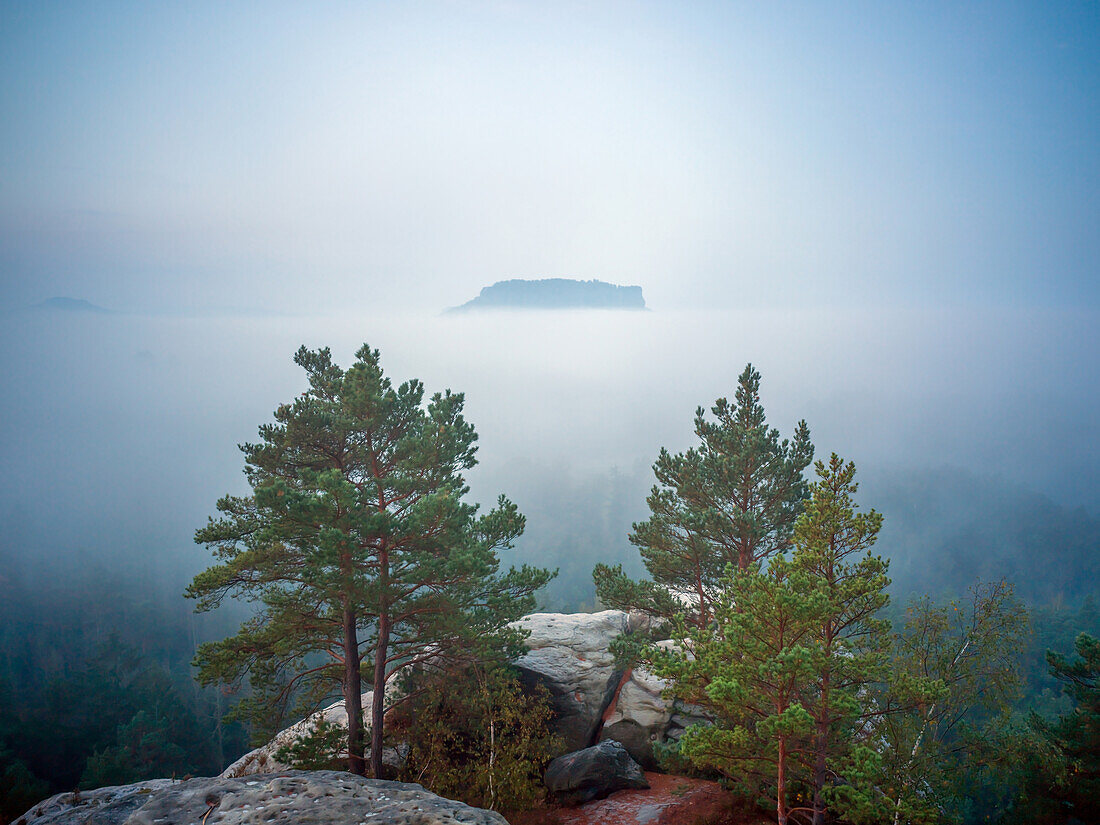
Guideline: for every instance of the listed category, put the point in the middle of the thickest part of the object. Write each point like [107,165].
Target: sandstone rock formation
[639,717]
[301,797]
[568,652]
[593,699]
[263,760]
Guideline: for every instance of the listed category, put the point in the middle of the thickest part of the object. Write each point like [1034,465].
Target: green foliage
[732,500]
[1061,774]
[787,660]
[748,669]
[946,728]
[358,548]
[850,641]
[479,736]
[19,788]
[1054,628]
[323,748]
[143,751]
[115,718]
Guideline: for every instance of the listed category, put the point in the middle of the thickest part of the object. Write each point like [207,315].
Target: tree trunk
[820,774]
[378,706]
[821,747]
[353,695]
[781,783]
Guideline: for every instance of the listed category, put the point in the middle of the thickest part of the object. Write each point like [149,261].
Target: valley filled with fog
[974,435]
[120,431]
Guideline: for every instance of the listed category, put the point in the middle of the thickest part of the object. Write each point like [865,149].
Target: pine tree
[852,642]
[359,548]
[1076,735]
[787,661]
[731,500]
[749,668]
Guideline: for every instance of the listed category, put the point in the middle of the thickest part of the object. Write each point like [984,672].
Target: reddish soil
[670,800]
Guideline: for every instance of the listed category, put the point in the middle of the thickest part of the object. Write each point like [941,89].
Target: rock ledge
[302,797]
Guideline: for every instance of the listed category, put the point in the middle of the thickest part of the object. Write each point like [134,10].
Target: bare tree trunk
[353,695]
[821,747]
[781,783]
[378,706]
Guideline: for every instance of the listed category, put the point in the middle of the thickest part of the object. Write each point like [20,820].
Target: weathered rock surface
[639,717]
[103,806]
[301,797]
[263,760]
[593,700]
[593,773]
[568,652]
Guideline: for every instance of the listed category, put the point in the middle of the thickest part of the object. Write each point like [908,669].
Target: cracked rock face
[592,699]
[301,797]
[568,652]
[640,717]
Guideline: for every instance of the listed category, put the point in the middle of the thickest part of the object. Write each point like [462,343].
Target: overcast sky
[302,157]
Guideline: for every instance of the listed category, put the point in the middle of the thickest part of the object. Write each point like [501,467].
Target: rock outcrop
[263,759]
[593,773]
[569,654]
[301,797]
[639,716]
[555,293]
[593,699]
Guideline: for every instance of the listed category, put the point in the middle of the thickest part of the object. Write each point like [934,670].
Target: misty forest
[580,414]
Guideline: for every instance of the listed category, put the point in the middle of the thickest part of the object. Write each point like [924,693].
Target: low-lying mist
[119,431]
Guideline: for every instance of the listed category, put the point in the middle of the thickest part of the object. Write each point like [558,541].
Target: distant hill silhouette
[555,293]
[69,305]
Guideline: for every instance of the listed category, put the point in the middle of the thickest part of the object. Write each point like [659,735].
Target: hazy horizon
[121,430]
[891,212]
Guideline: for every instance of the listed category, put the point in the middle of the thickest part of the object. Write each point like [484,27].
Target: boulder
[262,759]
[593,773]
[302,797]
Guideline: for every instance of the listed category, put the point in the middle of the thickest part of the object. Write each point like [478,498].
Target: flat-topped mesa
[555,293]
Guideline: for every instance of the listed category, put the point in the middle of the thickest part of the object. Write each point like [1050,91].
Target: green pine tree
[787,660]
[731,500]
[852,642]
[359,548]
[1061,781]
[749,669]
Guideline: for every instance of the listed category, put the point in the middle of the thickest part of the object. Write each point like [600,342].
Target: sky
[275,157]
[890,209]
